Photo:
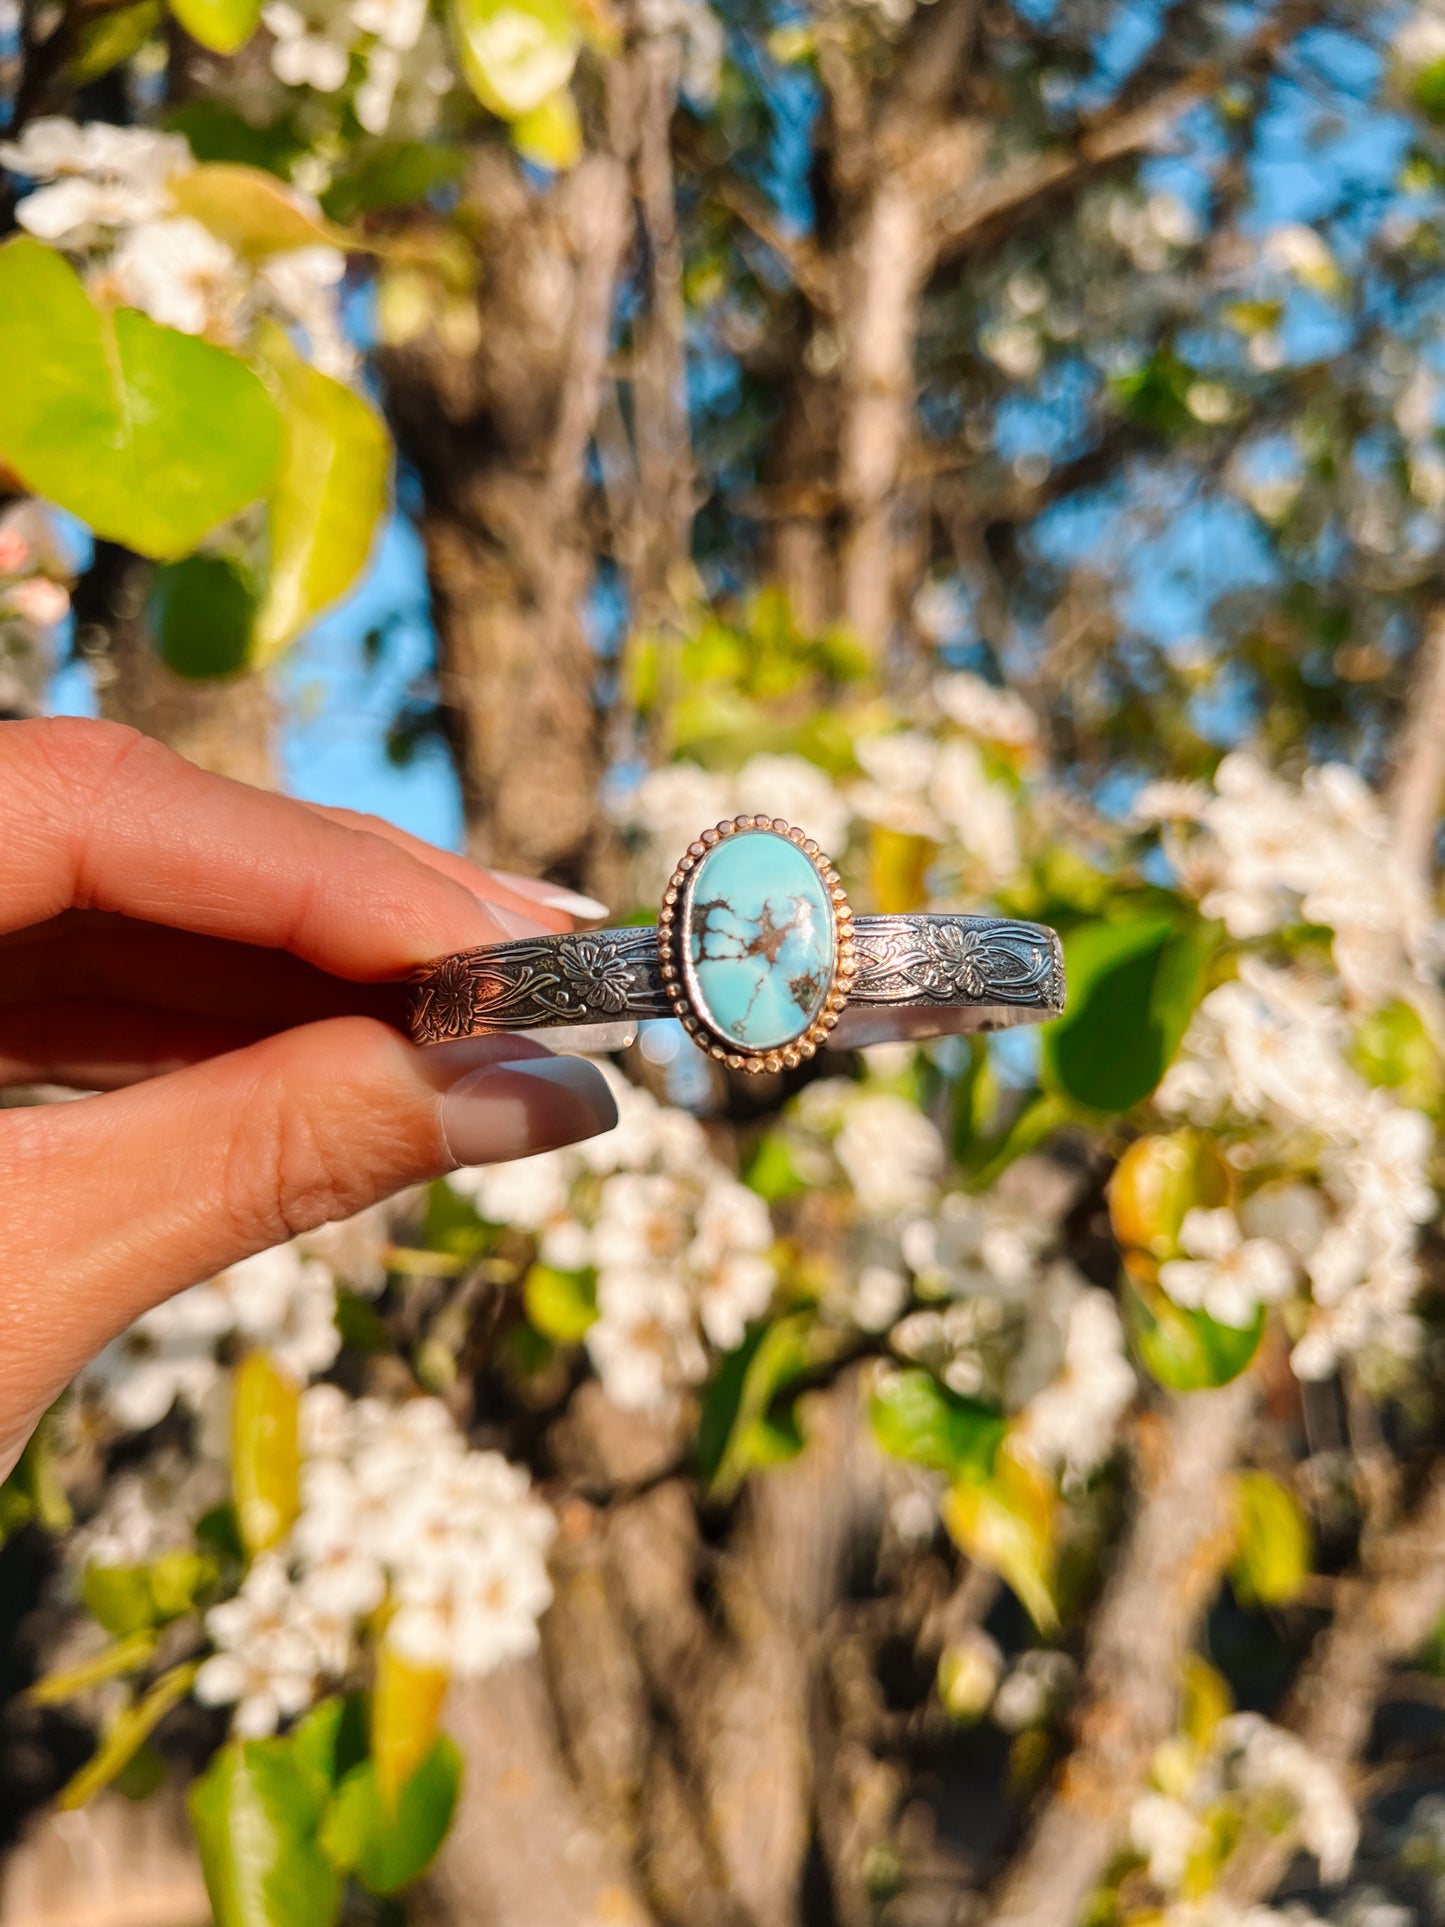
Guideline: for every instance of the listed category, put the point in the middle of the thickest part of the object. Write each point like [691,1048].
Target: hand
[222,964]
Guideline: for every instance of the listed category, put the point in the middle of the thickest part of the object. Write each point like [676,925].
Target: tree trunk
[227,726]
[500,441]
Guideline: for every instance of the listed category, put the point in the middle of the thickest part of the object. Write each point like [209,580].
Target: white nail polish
[512,923]
[572,903]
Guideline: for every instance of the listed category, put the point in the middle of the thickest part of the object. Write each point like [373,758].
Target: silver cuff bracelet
[758,953]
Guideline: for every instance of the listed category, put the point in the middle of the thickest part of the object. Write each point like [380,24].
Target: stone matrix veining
[760,935]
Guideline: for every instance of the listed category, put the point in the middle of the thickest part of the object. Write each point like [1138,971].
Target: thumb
[112,1203]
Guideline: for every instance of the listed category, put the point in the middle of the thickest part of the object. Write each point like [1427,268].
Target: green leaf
[330,1740]
[33,1493]
[220,26]
[1272,1556]
[452,1226]
[255,1813]
[202,614]
[1429,91]
[120,1598]
[738,1428]
[1154,395]
[135,1599]
[1187,1351]
[1392,1048]
[388,1846]
[328,495]
[216,133]
[127,1735]
[392,174]
[516,54]
[916,1418]
[265,1452]
[150,436]
[771,1171]
[253,212]
[1133,985]
[109,37]
[561,1304]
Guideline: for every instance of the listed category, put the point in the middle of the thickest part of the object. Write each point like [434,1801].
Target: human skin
[220,968]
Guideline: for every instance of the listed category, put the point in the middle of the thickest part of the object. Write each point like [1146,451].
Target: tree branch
[1419,772]
[1176,1547]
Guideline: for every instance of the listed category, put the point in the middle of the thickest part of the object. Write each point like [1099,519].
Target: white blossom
[994,715]
[1168,1835]
[301,55]
[1073,1421]
[890,1152]
[1225,1273]
[178,273]
[397,23]
[1264,1757]
[267,1659]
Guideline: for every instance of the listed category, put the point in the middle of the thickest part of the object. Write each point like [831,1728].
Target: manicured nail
[552,896]
[531,1104]
[512,922]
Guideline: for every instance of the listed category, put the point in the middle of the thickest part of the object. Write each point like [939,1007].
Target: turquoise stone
[759,936]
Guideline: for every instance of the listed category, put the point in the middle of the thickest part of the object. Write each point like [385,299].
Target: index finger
[98,816]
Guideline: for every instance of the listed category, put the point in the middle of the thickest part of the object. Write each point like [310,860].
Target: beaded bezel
[671,964]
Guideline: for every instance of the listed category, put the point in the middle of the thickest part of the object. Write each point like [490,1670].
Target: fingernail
[531,1104]
[551,895]
[512,923]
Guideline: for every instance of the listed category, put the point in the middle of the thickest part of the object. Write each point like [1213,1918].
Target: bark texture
[1167,1570]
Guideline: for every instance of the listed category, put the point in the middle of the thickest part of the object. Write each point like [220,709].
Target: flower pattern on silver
[536,983]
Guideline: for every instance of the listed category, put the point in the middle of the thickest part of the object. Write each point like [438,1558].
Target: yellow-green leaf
[110,36]
[898,868]
[265,1452]
[253,212]
[406,1706]
[1272,1554]
[221,26]
[550,135]
[326,501]
[150,436]
[127,1735]
[124,1656]
[561,1304]
[1158,1180]
[1006,1522]
[516,54]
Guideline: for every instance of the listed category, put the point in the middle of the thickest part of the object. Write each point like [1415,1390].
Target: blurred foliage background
[993,1481]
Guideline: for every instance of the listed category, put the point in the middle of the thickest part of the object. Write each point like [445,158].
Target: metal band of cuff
[918,976]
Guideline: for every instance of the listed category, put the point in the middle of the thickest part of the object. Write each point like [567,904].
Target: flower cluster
[395,1511]
[1261,855]
[389,52]
[945,783]
[1335,1170]
[105,195]
[972,1287]
[679,1248]
[1249,1768]
[282,1301]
